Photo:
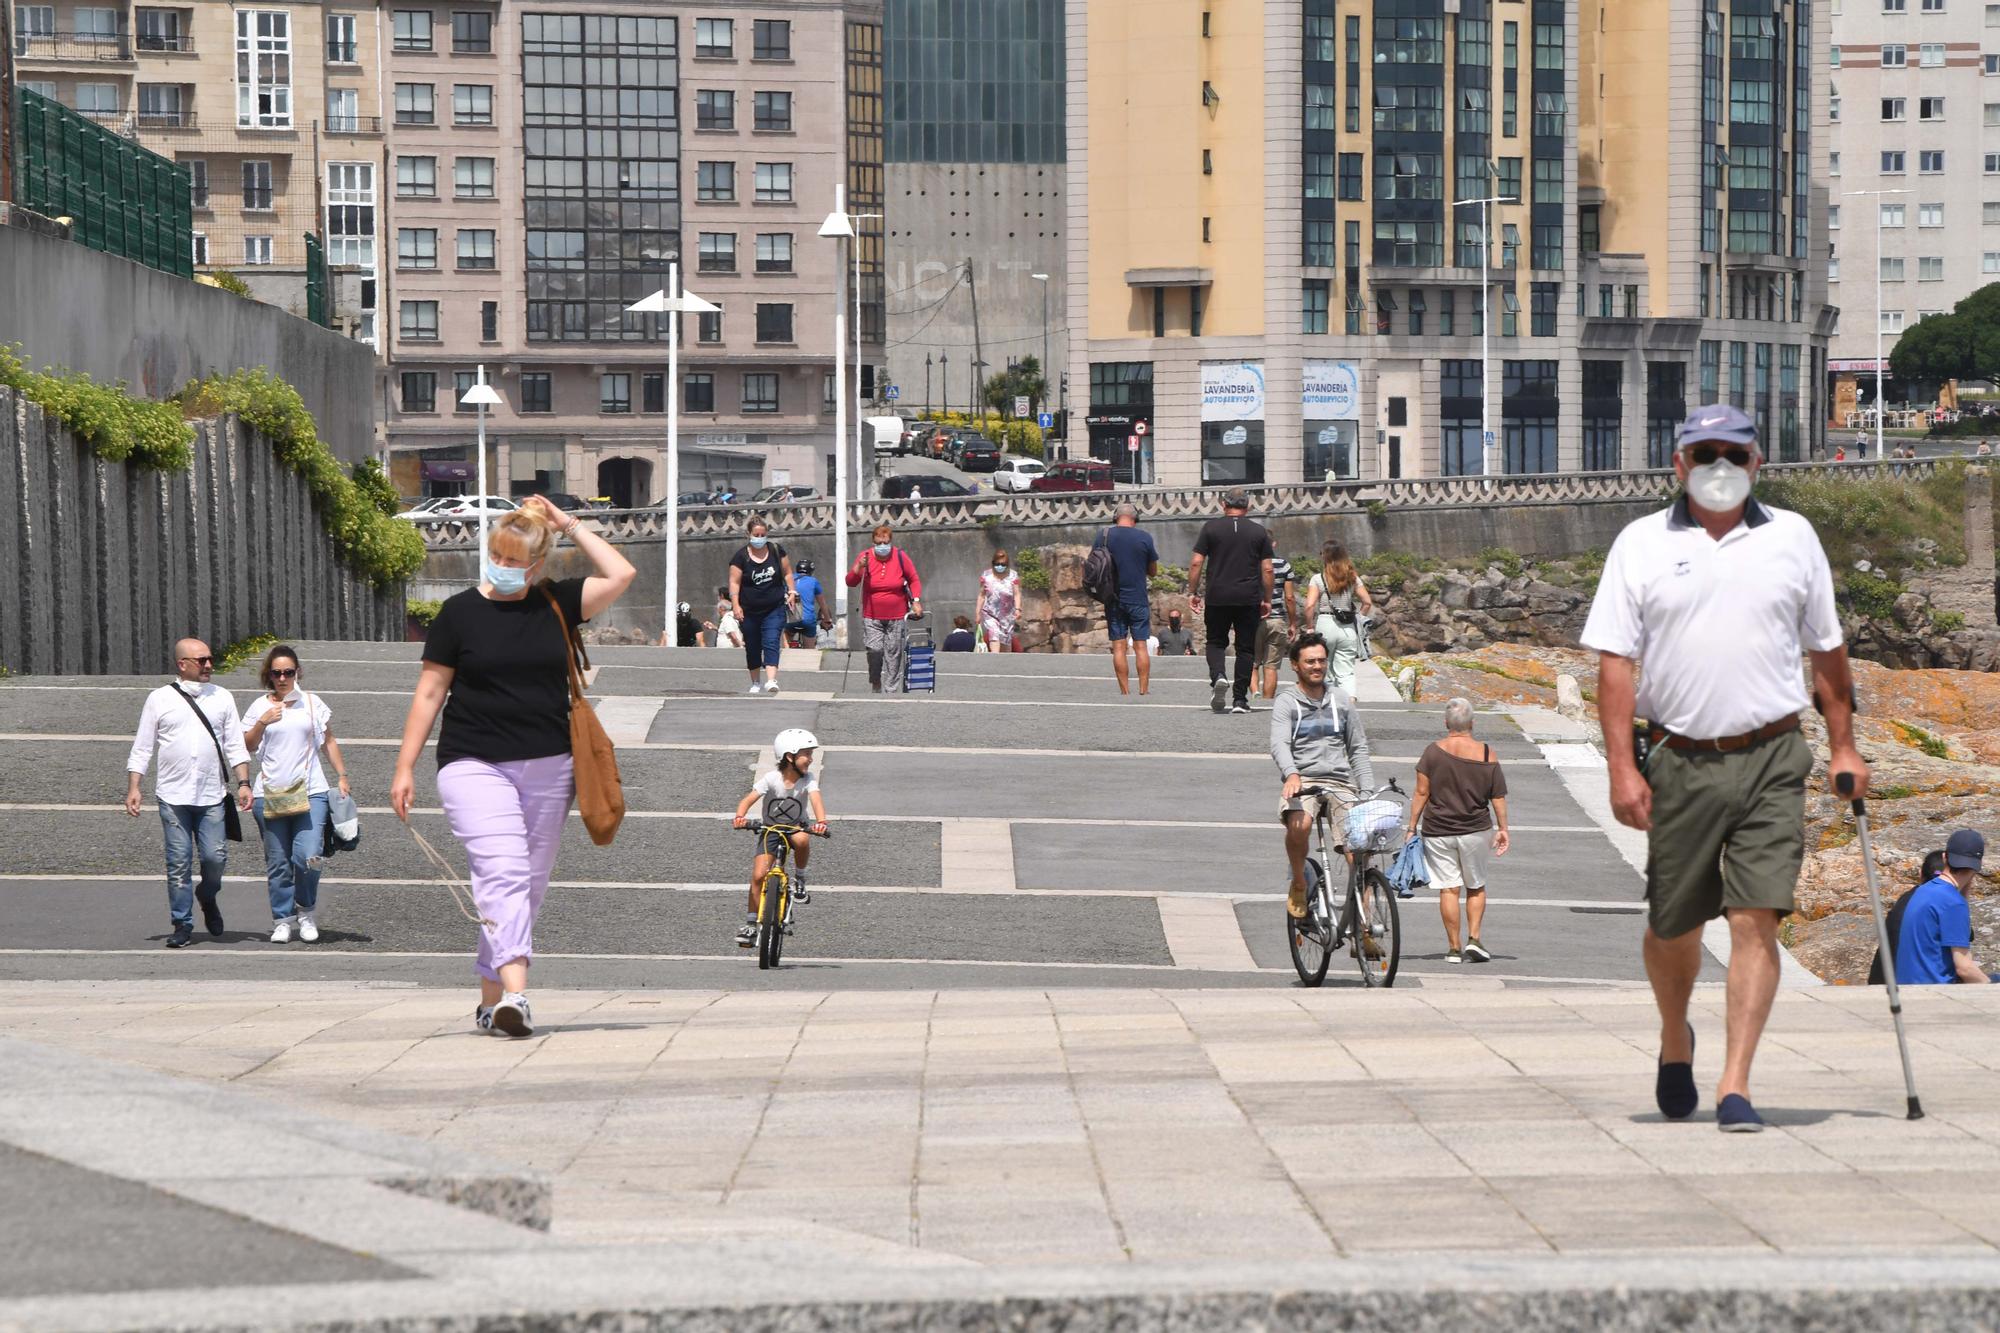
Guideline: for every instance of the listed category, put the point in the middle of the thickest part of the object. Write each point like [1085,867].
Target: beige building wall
[1624,150]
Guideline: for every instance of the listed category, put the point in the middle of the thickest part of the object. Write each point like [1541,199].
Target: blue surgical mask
[505,579]
[1001,570]
[760,543]
[882,550]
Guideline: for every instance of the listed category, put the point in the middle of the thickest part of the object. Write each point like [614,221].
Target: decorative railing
[74,47]
[1168,502]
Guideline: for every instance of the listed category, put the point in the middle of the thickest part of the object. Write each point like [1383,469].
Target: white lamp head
[1039,277]
[480,395]
[649,305]
[837,224]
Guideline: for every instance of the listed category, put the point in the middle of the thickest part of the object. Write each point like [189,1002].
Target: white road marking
[627,718]
[1203,934]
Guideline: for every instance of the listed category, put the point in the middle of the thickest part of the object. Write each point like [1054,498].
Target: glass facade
[864,167]
[601,150]
[974,80]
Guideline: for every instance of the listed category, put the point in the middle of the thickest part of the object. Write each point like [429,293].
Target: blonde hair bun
[522,534]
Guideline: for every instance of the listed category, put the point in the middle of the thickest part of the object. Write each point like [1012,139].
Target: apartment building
[82,55]
[547,162]
[976,185]
[1280,269]
[1914,166]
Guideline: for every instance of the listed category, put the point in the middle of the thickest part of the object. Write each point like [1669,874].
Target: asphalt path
[1024,826]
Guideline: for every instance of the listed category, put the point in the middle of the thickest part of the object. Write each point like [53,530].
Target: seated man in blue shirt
[1934,946]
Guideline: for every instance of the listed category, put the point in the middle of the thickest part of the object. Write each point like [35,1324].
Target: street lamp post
[927,383]
[944,379]
[1487,441]
[481,396]
[1880,406]
[1043,278]
[860,415]
[837,227]
[672,302]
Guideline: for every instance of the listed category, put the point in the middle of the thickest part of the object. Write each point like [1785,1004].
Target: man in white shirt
[190,785]
[1718,596]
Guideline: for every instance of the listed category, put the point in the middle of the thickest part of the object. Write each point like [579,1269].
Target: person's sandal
[1295,903]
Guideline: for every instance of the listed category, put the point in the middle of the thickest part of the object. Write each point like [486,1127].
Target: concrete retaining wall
[950,561]
[80,309]
[108,564]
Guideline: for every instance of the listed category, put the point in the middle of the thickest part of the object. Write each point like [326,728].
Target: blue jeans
[763,634]
[189,828]
[291,843]
[1133,619]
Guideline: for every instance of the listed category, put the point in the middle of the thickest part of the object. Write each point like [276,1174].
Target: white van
[888,435]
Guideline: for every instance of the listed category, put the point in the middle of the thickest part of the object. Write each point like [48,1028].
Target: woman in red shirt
[891,596]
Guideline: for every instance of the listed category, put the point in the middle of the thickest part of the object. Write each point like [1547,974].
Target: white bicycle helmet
[793,739]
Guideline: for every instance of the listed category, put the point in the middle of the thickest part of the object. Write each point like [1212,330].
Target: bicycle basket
[1375,826]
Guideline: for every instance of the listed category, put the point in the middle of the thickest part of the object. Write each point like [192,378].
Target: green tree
[1962,345]
[1023,377]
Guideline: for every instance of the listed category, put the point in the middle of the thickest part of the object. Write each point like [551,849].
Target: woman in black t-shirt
[497,663]
[761,595]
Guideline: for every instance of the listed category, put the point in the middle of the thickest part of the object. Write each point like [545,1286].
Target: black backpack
[1100,573]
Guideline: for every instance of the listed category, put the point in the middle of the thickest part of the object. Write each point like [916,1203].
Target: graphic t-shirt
[763,585]
[1936,922]
[1235,549]
[780,796]
[509,695]
[1132,554]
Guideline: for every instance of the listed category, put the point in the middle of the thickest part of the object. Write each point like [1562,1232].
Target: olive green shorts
[1728,831]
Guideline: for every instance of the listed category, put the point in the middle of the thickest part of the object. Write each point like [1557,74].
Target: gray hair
[1458,715]
[1126,509]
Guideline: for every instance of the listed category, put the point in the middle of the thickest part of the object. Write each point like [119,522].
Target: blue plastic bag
[1407,873]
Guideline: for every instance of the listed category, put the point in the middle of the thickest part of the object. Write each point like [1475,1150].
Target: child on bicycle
[787,792]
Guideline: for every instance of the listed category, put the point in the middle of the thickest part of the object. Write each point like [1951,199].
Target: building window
[774,322]
[1931,55]
[708,326]
[698,393]
[416,104]
[350,214]
[472,104]
[1409,108]
[715,38]
[200,249]
[714,109]
[537,391]
[1893,55]
[263,69]
[1409,244]
[774,182]
[475,248]
[1409,41]
[771,39]
[1992,114]
[461,385]
[471,32]
[1447,313]
[160,104]
[1507,178]
[716,251]
[420,390]
[715,182]
[1892,162]
[1474,113]
[1989,262]
[1350,176]
[1891,321]
[1892,108]
[774,252]
[1930,215]
[343,110]
[772,110]
[1930,268]
[419,321]
[1833,56]
[1530,412]
[760,392]
[256,250]
[1990,64]
[1833,217]
[1320,247]
[1408,176]
[1542,297]
[1510,313]
[340,39]
[614,392]
[1930,108]
[1321,107]
[1833,164]
[489,321]
[472,177]
[1892,268]
[1891,215]
[416,178]
[1318,295]
[257,186]
[1603,413]
[653,392]
[413,29]
[1931,161]
[1319,175]
[197,181]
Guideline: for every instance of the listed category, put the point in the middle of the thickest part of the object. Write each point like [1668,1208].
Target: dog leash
[461,892]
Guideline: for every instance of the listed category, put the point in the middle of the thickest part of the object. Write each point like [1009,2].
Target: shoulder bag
[232,823]
[293,798]
[600,795]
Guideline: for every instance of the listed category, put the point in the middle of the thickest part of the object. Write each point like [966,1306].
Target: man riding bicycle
[1317,740]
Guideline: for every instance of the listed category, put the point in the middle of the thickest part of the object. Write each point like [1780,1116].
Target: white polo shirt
[1717,625]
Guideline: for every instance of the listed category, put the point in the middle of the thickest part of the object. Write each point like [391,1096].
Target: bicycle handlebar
[1313,790]
[758,826]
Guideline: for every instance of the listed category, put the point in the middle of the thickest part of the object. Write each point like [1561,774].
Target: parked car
[1076,474]
[785,495]
[1015,472]
[935,443]
[427,505]
[467,506]
[927,489]
[976,453]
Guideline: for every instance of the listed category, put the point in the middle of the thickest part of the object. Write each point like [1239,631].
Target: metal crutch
[1844,784]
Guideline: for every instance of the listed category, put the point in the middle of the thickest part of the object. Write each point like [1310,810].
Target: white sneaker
[771,687]
[281,930]
[758,688]
[482,1018]
[1218,695]
[511,1015]
[308,928]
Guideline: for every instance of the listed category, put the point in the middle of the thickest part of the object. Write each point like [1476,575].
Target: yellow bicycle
[774,902]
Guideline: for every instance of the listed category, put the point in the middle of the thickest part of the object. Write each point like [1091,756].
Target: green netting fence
[120,198]
[318,309]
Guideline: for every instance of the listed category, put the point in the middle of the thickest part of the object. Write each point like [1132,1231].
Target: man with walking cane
[1717,596]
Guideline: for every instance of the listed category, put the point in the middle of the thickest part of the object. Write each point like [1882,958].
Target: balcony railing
[167,120]
[75,47]
[172,43]
[354,125]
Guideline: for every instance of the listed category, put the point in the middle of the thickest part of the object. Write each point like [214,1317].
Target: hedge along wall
[110,563]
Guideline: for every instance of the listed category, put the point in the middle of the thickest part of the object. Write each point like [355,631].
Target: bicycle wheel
[770,920]
[1381,934]
[1311,937]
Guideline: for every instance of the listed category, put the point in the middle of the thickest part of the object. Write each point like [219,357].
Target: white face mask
[1719,486]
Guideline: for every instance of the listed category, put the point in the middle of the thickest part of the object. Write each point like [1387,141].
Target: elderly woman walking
[1461,808]
[497,663]
[1336,600]
[285,728]
[891,594]
[760,594]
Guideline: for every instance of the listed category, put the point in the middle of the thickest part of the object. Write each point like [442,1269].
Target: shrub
[1171,578]
[1034,574]
[1393,570]
[118,427]
[1510,563]
[1947,622]
[1917,737]
[236,654]
[1878,518]
[422,612]
[1869,593]
[229,282]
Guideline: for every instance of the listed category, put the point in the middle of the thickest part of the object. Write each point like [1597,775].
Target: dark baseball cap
[1965,850]
[1235,498]
[1718,423]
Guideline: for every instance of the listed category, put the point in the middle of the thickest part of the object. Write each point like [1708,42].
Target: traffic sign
[1132,443]
[1489,439]
[892,393]
[1046,420]
[1021,407]
[1139,428]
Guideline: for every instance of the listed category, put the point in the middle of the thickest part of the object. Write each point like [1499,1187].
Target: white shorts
[1458,863]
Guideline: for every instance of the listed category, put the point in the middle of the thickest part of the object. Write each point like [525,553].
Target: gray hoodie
[1320,738]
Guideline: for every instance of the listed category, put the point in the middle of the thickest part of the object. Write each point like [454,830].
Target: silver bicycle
[1365,917]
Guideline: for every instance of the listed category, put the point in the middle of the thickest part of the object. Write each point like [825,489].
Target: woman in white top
[999,604]
[284,729]
[1336,600]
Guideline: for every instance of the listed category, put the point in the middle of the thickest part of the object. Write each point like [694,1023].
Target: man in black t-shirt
[1236,554]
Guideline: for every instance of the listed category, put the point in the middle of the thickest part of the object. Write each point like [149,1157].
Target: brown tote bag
[600,794]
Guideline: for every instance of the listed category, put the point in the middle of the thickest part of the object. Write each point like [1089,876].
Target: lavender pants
[509,817]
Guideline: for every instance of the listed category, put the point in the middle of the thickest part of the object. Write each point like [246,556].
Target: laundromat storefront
[1330,402]
[1232,422]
